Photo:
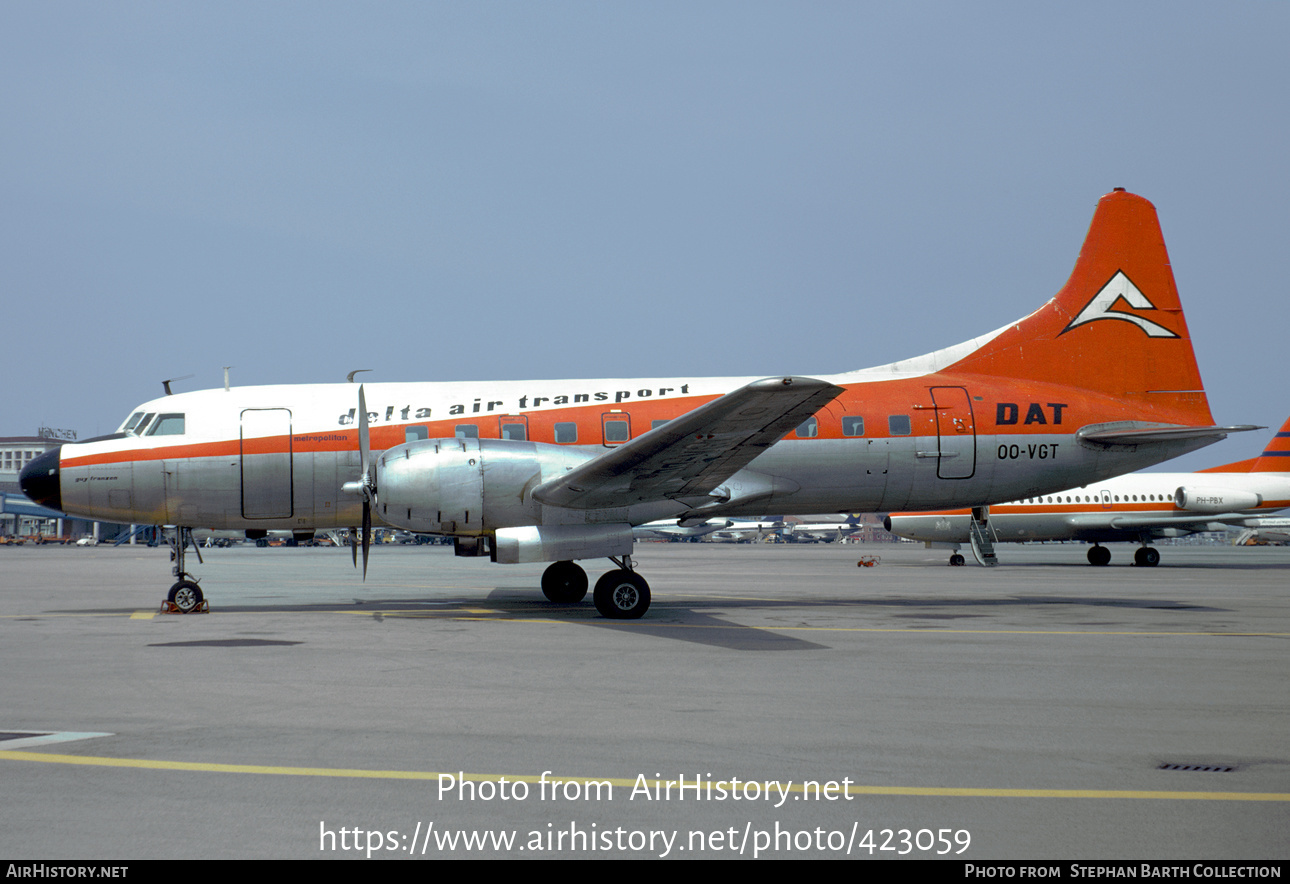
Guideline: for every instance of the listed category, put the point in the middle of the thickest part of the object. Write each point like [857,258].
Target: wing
[693,454]
[1142,521]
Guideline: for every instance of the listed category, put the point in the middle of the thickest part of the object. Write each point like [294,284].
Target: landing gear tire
[1147,556]
[564,583]
[186,596]
[957,560]
[1099,555]
[622,595]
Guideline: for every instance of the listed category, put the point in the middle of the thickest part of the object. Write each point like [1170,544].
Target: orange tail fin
[1274,459]
[1116,327]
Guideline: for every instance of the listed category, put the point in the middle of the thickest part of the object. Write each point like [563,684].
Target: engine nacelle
[466,487]
[1213,499]
[561,543]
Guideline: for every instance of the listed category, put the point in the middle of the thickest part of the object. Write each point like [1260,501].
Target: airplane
[1265,530]
[744,530]
[672,529]
[1138,508]
[1101,380]
[822,528]
[825,527]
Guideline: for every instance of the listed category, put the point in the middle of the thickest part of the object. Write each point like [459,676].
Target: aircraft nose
[39,480]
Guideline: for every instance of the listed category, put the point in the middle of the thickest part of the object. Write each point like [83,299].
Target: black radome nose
[39,480]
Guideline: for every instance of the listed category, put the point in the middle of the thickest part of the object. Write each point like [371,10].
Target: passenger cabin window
[466,431]
[853,426]
[168,425]
[808,429]
[655,424]
[516,431]
[566,433]
[616,432]
[415,434]
[898,425]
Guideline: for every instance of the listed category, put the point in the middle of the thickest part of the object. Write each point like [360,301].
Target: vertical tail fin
[1274,459]
[1116,327]
[1276,456]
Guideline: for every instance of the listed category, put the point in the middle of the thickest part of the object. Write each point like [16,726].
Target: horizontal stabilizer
[1139,435]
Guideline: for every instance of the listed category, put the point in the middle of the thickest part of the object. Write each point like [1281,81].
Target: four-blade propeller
[365,487]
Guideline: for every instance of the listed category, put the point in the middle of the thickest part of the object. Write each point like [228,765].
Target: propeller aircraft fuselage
[1099,381]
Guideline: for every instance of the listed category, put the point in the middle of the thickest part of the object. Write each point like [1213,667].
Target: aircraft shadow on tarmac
[690,620]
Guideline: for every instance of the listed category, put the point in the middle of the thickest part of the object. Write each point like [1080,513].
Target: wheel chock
[169,607]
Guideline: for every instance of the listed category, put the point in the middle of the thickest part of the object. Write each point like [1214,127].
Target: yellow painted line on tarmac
[503,616]
[393,612]
[905,630]
[936,630]
[655,786]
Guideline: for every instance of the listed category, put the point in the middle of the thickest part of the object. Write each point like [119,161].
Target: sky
[510,190]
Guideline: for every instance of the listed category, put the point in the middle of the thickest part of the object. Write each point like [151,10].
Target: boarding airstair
[979,533]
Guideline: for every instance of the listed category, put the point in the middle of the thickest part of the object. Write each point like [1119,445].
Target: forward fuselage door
[266,463]
[956,433]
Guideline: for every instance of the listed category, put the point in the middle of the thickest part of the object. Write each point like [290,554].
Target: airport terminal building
[19,517]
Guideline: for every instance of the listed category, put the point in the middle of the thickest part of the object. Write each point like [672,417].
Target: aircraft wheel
[957,559]
[622,595]
[185,595]
[1147,556]
[1099,555]
[564,583]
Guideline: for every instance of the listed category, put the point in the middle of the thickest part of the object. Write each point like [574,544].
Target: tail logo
[1120,288]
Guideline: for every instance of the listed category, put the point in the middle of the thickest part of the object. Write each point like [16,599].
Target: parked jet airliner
[1137,508]
[1099,381]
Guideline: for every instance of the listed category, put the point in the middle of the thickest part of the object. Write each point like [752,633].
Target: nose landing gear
[185,597]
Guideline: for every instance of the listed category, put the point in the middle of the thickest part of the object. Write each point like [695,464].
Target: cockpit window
[140,427]
[132,422]
[168,425]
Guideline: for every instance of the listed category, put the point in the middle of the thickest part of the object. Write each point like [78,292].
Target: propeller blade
[365,487]
[364,441]
[367,531]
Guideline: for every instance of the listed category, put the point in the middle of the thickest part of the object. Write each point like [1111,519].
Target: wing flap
[693,454]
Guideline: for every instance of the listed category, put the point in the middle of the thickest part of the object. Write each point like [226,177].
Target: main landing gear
[564,583]
[1146,556]
[185,596]
[620,594]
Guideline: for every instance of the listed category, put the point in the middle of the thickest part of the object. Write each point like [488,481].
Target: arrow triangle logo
[1120,288]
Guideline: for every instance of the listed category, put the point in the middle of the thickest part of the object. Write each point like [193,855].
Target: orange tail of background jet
[1274,459]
